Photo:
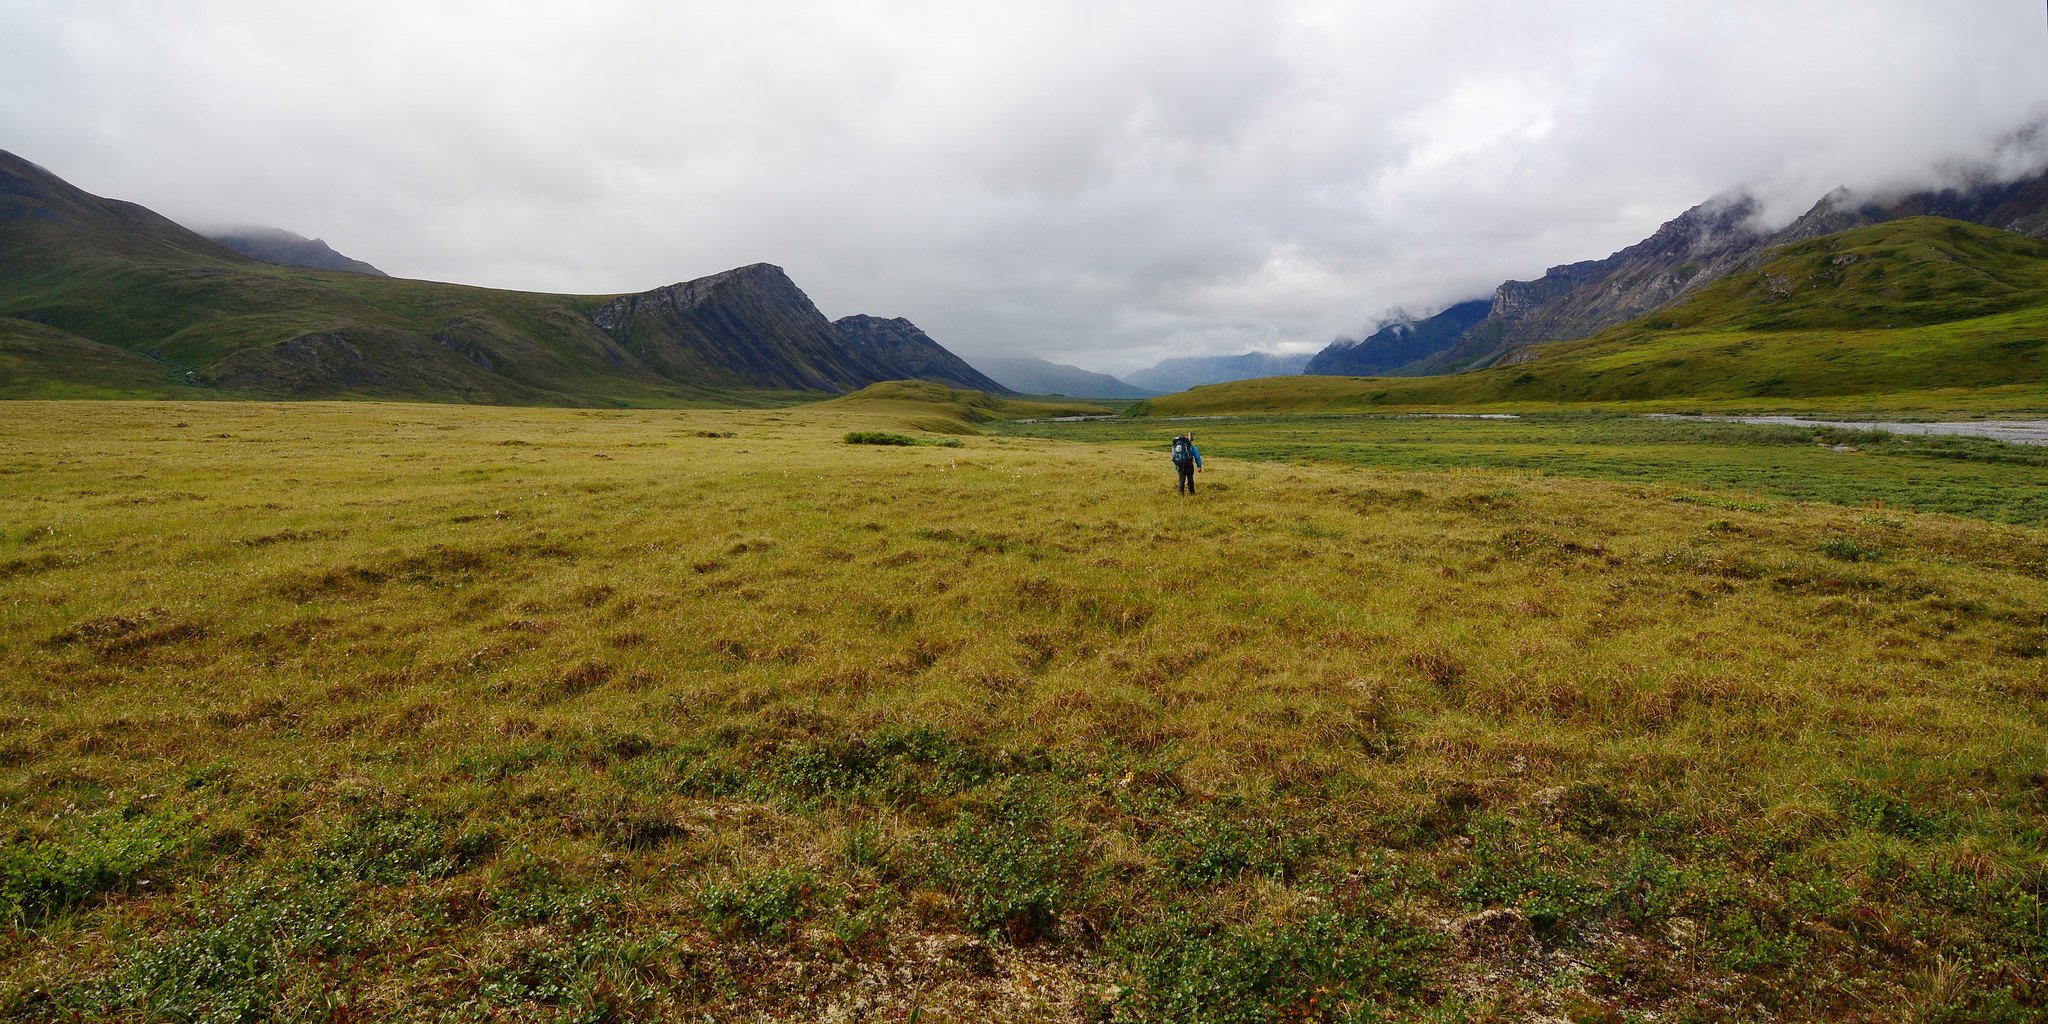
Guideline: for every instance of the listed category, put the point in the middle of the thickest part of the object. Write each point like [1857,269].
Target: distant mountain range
[286,249]
[898,344]
[1911,313]
[1183,372]
[1031,376]
[1039,377]
[1700,246]
[104,298]
[100,297]
[1400,345]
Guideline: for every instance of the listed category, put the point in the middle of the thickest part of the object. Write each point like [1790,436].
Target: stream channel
[2015,431]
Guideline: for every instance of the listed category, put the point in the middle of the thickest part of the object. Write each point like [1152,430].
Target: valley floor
[358,711]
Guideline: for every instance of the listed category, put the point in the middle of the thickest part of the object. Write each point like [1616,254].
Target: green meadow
[1866,468]
[360,711]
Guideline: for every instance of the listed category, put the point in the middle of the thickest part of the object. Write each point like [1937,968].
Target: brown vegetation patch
[1437,666]
[29,566]
[284,537]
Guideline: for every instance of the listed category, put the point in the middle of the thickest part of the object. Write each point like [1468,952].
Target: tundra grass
[366,712]
[1961,475]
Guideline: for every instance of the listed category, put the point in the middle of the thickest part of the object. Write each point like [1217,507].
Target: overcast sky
[1098,183]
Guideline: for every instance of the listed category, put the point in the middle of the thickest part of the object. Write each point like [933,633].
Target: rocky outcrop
[750,327]
[907,353]
[1698,246]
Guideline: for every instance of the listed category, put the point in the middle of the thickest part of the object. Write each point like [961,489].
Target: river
[2015,431]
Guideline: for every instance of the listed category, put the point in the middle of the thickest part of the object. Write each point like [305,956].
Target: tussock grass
[537,714]
[888,438]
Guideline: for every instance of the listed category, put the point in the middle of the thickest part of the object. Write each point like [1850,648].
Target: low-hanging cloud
[1102,184]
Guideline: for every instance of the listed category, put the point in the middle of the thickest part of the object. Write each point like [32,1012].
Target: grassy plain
[355,711]
[1873,469]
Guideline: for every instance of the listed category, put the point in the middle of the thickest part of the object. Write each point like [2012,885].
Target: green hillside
[101,297]
[39,361]
[1922,314]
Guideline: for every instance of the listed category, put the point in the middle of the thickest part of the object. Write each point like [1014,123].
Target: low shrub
[884,437]
[1324,967]
[1014,867]
[760,906]
[41,879]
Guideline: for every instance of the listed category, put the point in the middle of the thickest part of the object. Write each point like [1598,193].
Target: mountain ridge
[1692,250]
[1395,349]
[83,278]
[286,249]
[896,342]
[1921,313]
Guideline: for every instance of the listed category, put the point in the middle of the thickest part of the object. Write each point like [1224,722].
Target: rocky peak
[763,283]
[905,352]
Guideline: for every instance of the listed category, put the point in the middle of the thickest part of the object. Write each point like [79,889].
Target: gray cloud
[1098,183]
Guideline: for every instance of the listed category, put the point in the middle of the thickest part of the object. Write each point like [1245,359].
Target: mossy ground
[351,712]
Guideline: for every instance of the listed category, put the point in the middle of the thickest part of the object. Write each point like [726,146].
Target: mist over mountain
[1183,372]
[287,248]
[1400,345]
[1698,247]
[1032,376]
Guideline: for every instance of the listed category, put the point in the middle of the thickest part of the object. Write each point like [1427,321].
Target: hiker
[1186,459]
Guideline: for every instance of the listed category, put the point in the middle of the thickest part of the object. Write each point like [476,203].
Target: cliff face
[907,353]
[1684,254]
[749,327]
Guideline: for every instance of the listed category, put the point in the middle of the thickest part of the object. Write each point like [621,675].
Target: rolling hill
[1876,314]
[101,297]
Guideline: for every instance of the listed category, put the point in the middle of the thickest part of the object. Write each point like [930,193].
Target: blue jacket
[1197,452]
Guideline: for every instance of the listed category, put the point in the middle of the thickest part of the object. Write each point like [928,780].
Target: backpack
[1183,451]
